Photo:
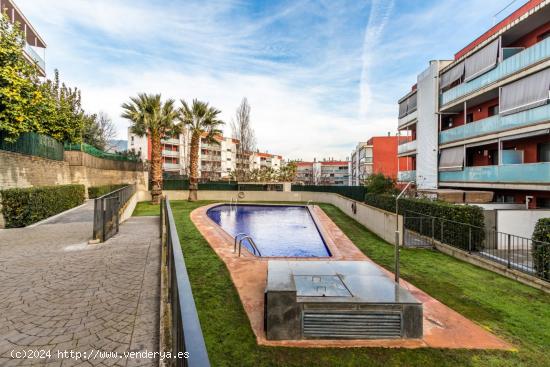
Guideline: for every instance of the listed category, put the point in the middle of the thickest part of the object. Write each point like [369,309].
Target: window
[543,152]
[493,110]
[500,198]
[543,36]
[469,118]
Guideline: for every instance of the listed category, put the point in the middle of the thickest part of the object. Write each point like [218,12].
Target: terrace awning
[526,93]
[482,61]
[407,106]
[451,159]
[452,75]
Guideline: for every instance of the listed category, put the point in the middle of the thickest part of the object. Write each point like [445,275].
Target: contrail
[378,18]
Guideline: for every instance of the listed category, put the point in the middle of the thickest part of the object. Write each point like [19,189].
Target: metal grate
[342,325]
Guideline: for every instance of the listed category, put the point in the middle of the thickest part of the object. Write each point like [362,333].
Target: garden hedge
[97,191]
[541,248]
[461,226]
[22,207]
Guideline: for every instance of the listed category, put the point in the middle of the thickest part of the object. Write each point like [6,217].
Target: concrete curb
[45,221]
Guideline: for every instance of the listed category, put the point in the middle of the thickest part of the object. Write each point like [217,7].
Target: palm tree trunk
[194,167]
[156,169]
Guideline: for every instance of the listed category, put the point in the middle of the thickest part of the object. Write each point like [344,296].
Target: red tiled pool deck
[443,327]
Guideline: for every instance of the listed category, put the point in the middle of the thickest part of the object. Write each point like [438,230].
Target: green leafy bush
[461,226]
[22,207]
[541,248]
[97,191]
[377,183]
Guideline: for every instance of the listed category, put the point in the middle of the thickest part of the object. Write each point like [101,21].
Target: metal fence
[35,144]
[91,150]
[185,329]
[514,252]
[107,212]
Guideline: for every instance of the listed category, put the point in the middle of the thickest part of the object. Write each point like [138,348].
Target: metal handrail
[107,212]
[251,241]
[185,329]
[235,244]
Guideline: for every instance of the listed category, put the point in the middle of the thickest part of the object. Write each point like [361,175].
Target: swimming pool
[277,230]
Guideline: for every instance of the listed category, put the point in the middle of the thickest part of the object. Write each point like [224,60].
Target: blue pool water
[277,230]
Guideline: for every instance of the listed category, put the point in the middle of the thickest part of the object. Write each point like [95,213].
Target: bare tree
[244,133]
[98,129]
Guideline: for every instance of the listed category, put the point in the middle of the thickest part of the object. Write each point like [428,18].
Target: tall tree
[155,119]
[201,120]
[243,131]
[97,130]
[20,97]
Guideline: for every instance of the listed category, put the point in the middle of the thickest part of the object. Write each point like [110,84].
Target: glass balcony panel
[406,147]
[406,176]
[29,50]
[495,124]
[508,173]
[521,60]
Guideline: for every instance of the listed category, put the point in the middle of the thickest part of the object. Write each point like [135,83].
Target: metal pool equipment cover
[337,300]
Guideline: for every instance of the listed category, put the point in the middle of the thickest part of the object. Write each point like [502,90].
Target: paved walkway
[60,295]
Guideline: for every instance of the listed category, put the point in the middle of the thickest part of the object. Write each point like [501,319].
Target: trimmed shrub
[460,226]
[22,207]
[97,191]
[541,248]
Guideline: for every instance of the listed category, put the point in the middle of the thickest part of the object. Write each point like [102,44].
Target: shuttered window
[526,93]
[482,61]
[451,159]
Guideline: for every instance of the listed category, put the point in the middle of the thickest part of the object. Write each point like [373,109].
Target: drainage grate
[341,325]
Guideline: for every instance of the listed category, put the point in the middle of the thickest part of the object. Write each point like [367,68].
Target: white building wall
[427,128]
[138,144]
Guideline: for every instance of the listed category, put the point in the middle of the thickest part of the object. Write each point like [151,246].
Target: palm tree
[155,119]
[201,120]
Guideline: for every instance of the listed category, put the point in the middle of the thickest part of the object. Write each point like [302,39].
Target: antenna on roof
[503,9]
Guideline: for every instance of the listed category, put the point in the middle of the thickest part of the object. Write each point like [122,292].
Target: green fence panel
[91,150]
[35,144]
[222,186]
[352,192]
[177,184]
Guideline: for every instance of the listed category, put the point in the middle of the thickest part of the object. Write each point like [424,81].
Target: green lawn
[515,312]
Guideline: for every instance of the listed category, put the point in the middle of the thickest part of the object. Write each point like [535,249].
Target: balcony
[171,166]
[495,124]
[174,141]
[408,147]
[522,60]
[170,153]
[34,56]
[406,176]
[535,173]
[407,119]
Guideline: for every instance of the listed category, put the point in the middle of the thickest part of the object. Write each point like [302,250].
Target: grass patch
[145,208]
[513,311]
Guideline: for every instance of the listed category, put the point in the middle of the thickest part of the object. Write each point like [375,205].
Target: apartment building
[34,48]
[482,119]
[259,160]
[377,155]
[327,172]
[305,173]
[216,160]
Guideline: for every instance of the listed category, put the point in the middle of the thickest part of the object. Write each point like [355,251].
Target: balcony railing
[530,56]
[170,153]
[406,176]
[171,141]
[507,173]
[171,166]
[29,50]
[495,124]
[407,147]
[407,118]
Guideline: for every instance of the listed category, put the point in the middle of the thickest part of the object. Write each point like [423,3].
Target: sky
[320,75]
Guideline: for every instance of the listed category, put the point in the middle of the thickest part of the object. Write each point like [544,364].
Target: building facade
[482,120]
[325,173]
[377,155]
[34,48]
[216,160]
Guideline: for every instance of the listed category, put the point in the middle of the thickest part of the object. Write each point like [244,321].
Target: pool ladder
[241,237]
[234,205]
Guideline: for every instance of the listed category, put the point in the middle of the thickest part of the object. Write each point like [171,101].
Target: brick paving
[58,293]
